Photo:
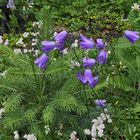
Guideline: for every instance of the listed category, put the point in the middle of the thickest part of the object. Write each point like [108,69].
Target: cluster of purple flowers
[58,43]
[88,77]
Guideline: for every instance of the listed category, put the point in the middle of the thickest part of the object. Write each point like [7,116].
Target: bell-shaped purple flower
[132,36]
[102,57]
[100,102]
[88,62]
[100,44]
[42,61]
[60,37]
[88,78]
[11,4]
[86,43]
[48,45]
[58,43]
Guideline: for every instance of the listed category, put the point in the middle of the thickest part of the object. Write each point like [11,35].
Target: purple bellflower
[86,43]
[42,61]
[11,4]
[48,45]
[132,36]
[100,44]
[88,62]
[100,102]
[88,78]
[60,37]
[102,57]
[58,43]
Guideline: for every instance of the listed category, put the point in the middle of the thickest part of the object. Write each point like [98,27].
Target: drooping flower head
[100,44]
[11,4]
[86,43]
[42,61]
[100,102]
[88,62]
[48,45]
[102,57]
[132,36]
[88,78]
[60,37]
[58,42]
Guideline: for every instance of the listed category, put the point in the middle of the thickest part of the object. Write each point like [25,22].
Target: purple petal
[102,57]
[100,44]
[94,81]
[100,102]
[86,43]
[48,45]
[60,37]
[88,62]
[80,77]
[42,61]
[132,36]
[88,77]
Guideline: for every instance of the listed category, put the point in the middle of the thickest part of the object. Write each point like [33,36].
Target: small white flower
[135,7]
[59,133]
[74,63]
[37,52]
[94,120]
[6,42]
[25,50]
[30,137]
[93,133]
[34,40]
[65,51]
[73,136]
[105,110]
[109,120]
[101,127]
[34,43]
[103,116]
[18,51]
[26,34]
[87,131]
[16,135]
[100,134]
[20,41]
[99,120]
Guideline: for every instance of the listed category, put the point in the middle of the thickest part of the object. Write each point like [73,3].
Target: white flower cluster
[30,137]
[47,129]
[135,7]
[75,44]
[6,42]
[74,63]
[19,51]
[73,136]
[16,135]
[1,112]
[98,126]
